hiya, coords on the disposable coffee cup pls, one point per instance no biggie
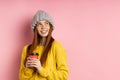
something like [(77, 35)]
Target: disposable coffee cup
[(33, 55)]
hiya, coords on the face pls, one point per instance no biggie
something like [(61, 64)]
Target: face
[(43, 28)]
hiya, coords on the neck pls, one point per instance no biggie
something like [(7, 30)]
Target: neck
[(43, 41)]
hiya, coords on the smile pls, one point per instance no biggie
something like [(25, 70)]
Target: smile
[(44, 31)]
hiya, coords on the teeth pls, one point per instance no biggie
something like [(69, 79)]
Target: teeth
[(44, 31)]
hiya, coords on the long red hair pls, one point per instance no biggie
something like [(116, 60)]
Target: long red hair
[(36, 40)]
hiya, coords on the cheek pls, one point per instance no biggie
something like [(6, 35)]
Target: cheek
[(48, 27), (38, 28)]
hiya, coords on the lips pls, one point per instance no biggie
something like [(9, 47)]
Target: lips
[(43, 31)]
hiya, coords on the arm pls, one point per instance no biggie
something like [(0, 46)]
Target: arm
[(24, 73), (61, 71)]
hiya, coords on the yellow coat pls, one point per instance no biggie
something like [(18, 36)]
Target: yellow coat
[(56, 67)]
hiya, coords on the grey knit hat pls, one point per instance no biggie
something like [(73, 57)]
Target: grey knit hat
[(41, 15)]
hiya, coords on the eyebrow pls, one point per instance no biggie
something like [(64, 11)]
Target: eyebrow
[(46, 21)]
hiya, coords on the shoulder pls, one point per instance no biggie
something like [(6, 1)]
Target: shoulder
[(58, 49), (25, 46), (24, 49), (57, 44)]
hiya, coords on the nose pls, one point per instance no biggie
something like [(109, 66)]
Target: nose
[(43, 26)]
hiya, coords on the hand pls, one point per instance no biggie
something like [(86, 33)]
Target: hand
[(33, 62)]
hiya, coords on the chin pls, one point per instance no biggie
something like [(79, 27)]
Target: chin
[(44, 35)]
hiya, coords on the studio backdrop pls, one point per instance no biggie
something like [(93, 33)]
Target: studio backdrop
[(88, 29)]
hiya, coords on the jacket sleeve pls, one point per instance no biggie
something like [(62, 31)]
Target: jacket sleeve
[(24, 73), (61, 72)]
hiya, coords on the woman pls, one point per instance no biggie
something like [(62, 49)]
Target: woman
[(51, 62)]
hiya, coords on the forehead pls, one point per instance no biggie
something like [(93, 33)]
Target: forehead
[(42, 21)]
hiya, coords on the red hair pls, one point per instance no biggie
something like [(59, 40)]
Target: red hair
[(36, 40)]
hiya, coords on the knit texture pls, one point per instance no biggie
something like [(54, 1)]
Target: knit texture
[(56, 67), (41, 15)]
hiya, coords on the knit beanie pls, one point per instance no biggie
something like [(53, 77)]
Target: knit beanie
[(41, 15)]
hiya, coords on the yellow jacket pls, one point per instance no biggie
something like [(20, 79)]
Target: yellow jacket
[(56, 67)]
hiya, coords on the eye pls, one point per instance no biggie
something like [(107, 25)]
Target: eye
[(39, 24), (47, 23)]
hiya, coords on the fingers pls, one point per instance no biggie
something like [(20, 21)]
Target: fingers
[(28, 63), (33, 62)]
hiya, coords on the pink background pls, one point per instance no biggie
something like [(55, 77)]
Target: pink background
[(88, 29)]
